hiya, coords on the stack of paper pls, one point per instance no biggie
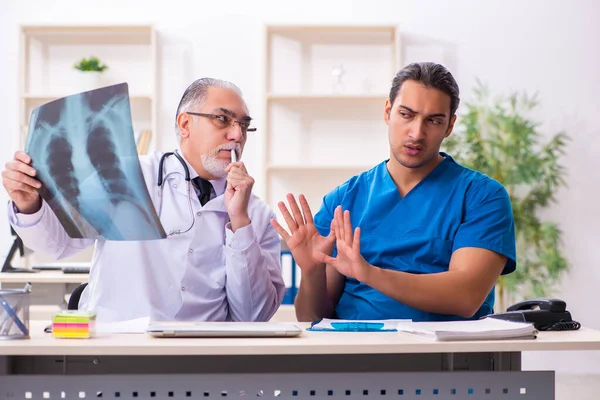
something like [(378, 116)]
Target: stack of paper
[(389, 325), (483, 329)]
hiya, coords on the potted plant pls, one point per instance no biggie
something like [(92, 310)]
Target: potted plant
[(90, 71), (497, 137)]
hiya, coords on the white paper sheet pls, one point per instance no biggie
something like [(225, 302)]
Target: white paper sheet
[(138, 325)]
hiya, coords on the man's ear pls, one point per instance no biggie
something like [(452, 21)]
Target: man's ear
[(184, 122), (450, 126), (387, 109)]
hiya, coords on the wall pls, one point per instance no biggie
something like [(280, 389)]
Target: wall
[(544, 46)]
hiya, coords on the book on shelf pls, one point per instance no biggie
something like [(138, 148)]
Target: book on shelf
[(143, 142)]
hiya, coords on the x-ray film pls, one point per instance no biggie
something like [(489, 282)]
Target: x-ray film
[(83, 149)]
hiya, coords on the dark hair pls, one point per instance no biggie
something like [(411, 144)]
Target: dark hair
[(431, 75)]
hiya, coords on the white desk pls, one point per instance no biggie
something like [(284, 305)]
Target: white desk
[(314, 365), (49, 288)]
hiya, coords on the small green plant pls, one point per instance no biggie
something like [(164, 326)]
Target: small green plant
[(497, 137), (91, 64)]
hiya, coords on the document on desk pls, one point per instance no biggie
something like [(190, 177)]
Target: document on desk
[(138, 325), (83, 149), (483, 329), (343, 325)]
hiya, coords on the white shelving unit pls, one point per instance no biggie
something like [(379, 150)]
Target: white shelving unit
[(47, 58), (48, 54), (319, 132)]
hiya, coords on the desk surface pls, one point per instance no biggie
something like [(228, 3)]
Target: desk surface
[(308, 343), (42, 277)]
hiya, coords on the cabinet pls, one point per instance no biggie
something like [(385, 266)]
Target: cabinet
[(326, 88), (48, 55), (47, 58)]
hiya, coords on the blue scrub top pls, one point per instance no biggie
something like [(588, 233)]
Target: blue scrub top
[(450, 208)]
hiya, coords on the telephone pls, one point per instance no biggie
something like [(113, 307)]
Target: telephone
[(546, 314)]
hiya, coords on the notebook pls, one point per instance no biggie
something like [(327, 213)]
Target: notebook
[(222, 329), (483, 329)]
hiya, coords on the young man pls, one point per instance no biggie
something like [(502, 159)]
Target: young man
[(418, 236), (225, 266)]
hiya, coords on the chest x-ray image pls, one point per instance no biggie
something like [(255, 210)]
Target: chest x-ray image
[(83, 149)]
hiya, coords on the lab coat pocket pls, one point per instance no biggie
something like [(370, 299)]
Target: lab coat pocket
[(218, 270)]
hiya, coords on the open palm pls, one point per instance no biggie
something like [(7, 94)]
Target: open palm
[(348, 261), (303, 240)]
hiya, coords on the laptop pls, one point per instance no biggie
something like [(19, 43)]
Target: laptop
[(222, 329)]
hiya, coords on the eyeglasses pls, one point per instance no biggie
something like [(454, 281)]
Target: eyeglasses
[(223, 121)]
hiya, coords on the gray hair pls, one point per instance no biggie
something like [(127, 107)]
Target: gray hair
[(195, 94)]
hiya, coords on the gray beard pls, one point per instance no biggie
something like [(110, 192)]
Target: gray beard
[(214, 166)]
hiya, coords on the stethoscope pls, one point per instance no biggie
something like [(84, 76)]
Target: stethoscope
[(161, 179)]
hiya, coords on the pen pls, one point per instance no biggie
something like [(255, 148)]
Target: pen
[(233, 156)]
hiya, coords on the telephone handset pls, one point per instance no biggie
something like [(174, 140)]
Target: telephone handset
[(553, 305), (546, 314)]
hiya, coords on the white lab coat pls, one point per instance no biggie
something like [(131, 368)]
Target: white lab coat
[(206, 274)]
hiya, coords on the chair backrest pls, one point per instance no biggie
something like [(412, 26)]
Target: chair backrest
[(75, 296)]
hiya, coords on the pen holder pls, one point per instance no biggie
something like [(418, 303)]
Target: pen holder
[(14, 314)]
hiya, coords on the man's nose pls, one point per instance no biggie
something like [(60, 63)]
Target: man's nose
[(235, 132), (417, 129)]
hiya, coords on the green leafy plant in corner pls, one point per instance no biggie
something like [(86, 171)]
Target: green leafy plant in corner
[(497, 137), (92, 64)]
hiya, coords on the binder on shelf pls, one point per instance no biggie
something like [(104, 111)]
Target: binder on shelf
[(143, 142), (288, 271)]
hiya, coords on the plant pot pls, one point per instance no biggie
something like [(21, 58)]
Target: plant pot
[(88, 80)]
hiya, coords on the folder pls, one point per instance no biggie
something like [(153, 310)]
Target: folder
[(287, 272), (344, 325)]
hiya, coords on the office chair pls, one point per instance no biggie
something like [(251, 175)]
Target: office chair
[(75, 296)]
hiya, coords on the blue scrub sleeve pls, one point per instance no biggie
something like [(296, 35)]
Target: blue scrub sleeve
[(488, 223)]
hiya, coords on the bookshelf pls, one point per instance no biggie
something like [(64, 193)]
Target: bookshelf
[(47, 56), (48, 53), (321, 129)]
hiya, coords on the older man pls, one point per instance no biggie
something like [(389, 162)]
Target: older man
[(222, 260)]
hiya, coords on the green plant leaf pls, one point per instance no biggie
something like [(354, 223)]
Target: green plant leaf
[(496, 136), (90, 64)]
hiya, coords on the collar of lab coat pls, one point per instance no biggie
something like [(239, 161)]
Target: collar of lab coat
[(216, 204)]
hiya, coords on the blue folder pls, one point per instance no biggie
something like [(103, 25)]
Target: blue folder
[(327, 325)]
